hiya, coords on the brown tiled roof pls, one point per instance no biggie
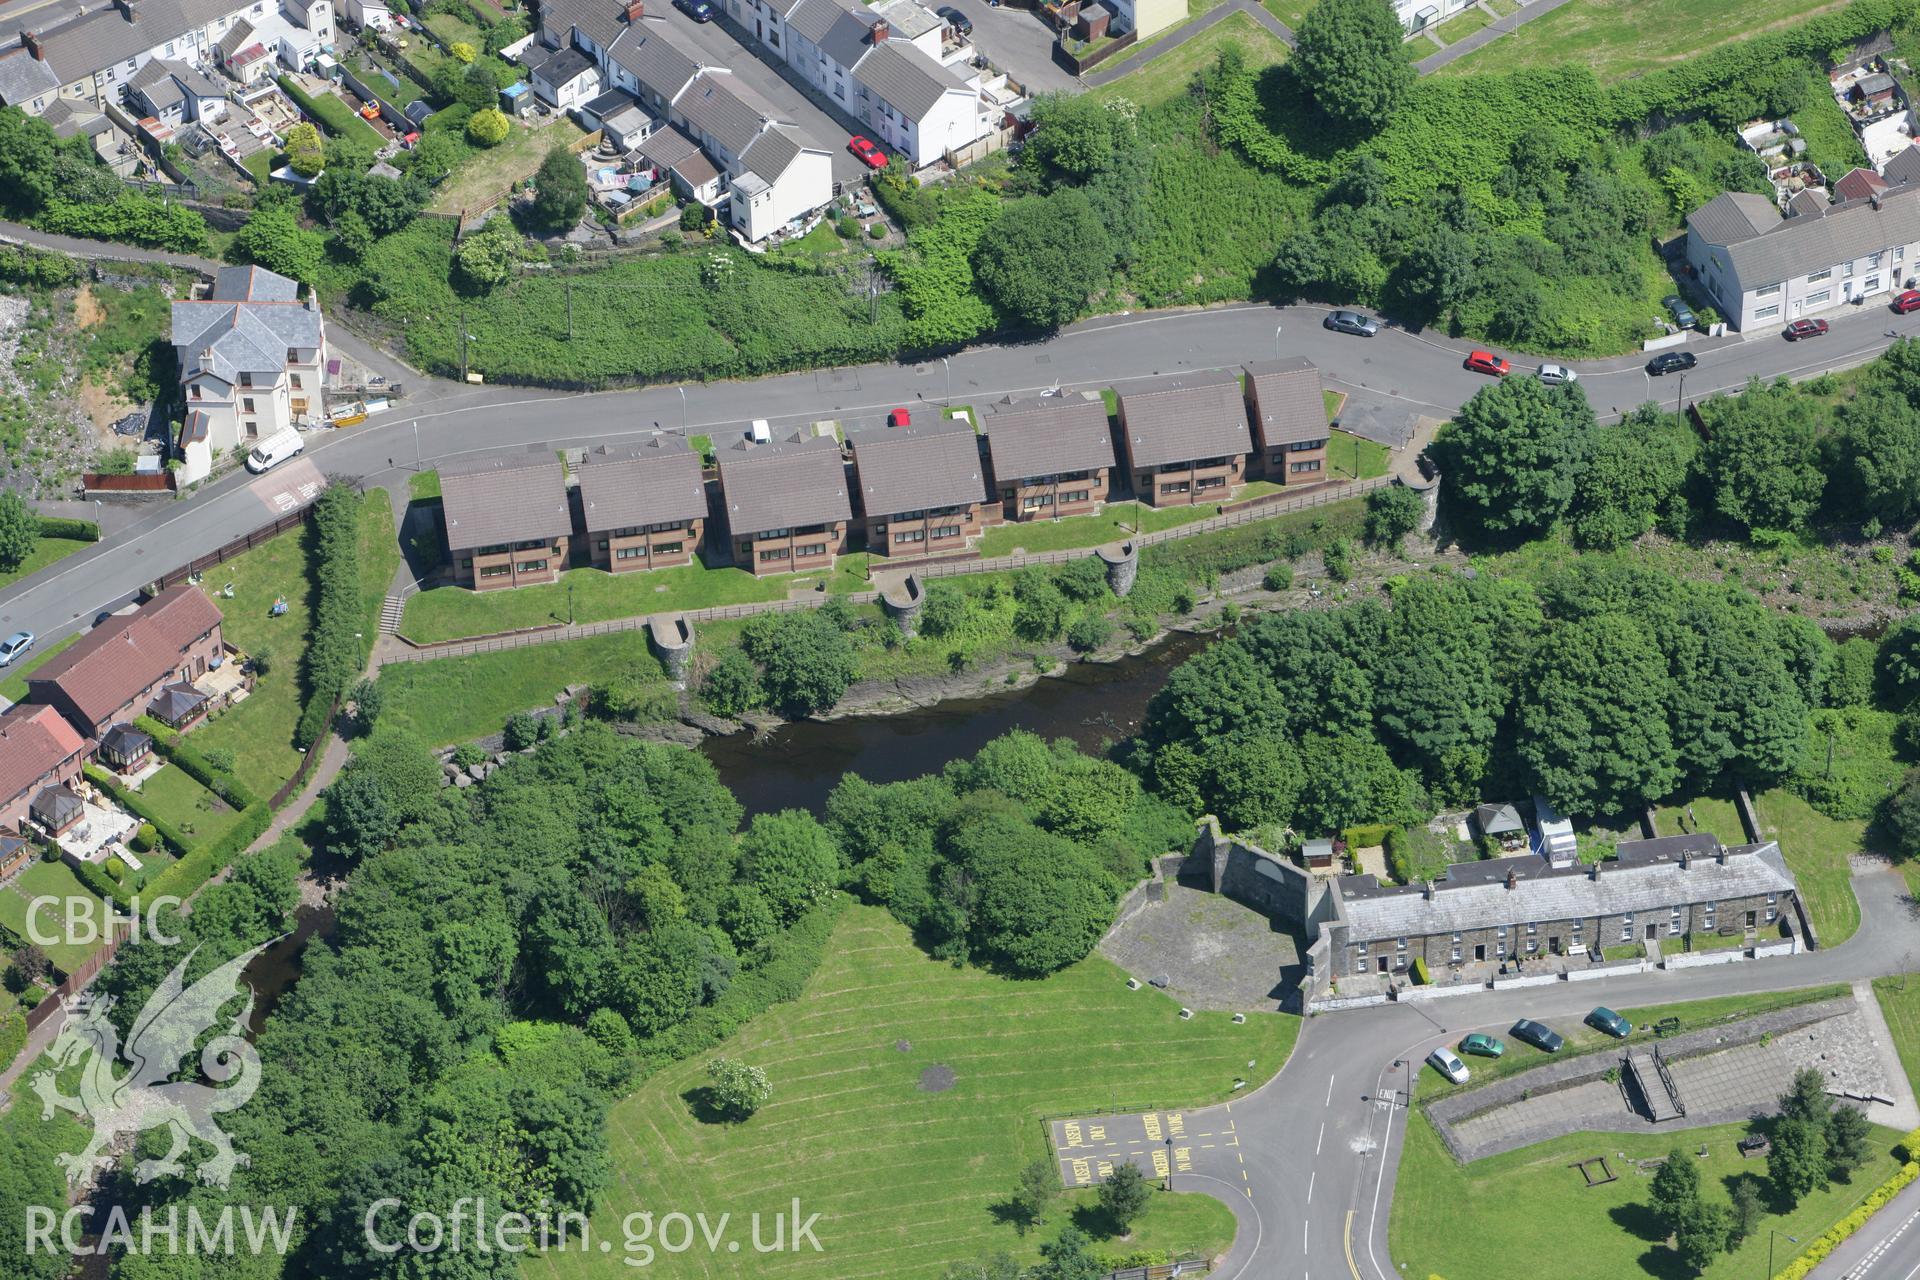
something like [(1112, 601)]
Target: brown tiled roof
[(914, 468), (501, 498), (652, 483), (111, 663), (1184, 417), (1048, 435), (33, 742), (782, 486), (1287, 405)]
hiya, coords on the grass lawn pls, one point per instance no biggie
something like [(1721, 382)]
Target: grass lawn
[(1899, 999), (1462, 25), (423, 486), (447, 613), (1622, 38), (906, 1181), (1116, 521), (260, 165), (1351, 458), (1497, 1218), (260, 730), (1816, 848), (49, 880), (491, 173), (14, 687), (821, 242), (190, 807), (459, 699), (1168, 75), (1291, 12), (45, 551)]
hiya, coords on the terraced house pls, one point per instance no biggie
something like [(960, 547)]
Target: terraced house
[(1289, 416), (135, 664), (643, 507), (1049, 455), (922, 489), (1185, 437), (785, 504), (507, 519)]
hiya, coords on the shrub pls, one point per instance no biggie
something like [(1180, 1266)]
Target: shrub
[(1419, 971), (1837, 1234), (468, 754), (737, 1089), (878, 231), (64, 527), (116, 868), (1279, 577), (488, 127), (143, 838), (1089, 633), (522, 731)]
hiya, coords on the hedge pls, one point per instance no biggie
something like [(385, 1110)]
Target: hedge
[(1365, 835), (335, 657), (1834, 1236), (1419, 971), (184, 878), (330, 114), (1398, 865), (13, 1036), (179, 751), (73, 530), (98, 882)]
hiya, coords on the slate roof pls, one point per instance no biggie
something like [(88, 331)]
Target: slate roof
[(907, 78), (729, 114), (503, 498), (1287, 405), (56, 807), (176, 703), (1048, 435), (769, 154), (92, 40), (1733, 215), (659, 65), (815, 18), (782, 486), (651, 483), (907, 18), (916, 468), (1902, 166), (69, 116), (1474, 895), (1787, 247), (24, 77), (1184, 417), (33, 742), (1808, 203), (600, 21), (236, 38), (106, 667), (248, 325), (672, 148)]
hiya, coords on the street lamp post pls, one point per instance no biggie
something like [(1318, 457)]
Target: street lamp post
[(1169, 1162), (1276, 342), (1681, 395), (1771, 1233), (948, 366), (683, 411)]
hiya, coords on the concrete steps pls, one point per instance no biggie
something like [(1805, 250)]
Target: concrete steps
[(390, 613)]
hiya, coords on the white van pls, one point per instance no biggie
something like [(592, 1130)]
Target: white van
[(761, 432), (274, 450)]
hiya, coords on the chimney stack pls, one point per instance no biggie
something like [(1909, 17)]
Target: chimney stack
[(636, 10), (1594, 871), (31, 39), (880, 30), (1874, 198), (1428, 890), (128, 9), (1513, 881)]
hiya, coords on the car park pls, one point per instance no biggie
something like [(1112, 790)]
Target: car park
[(1482, 1045), (1805, 329), (1448, 1064), (1605, 1019), (955, 19), (15, 645), (1487, 362), (1537, 1034), (1682, 313), (870, 154), (1672, 362), (1906, 301), (1557, 375), (1351, 322)]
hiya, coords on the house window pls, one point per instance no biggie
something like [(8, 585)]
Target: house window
[(1846, 268), (1673, 922), (1816, 276), (1401, 945), (775, 553), (1532, 928), (1626, 929), (493, 570), (911, 535), (667, 549), (811, 549), (1296, 468), (1212, 482), (533, 566), (1034, 500), (1078, 495), (1360, 961), (1873, 259), (246, 404), (1900, 253), (628, 553), (1766, 291), (1767, 313), (1819, 298), (296, 380), (1872, 283), (1180, 487), (947, 531)]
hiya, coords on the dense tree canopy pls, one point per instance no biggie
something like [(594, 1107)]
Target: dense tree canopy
[(1351, 53), (560, 191), (1512, 455), (1043, 258), (1760, 457)]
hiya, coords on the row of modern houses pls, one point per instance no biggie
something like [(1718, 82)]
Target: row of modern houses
[(901, 489)]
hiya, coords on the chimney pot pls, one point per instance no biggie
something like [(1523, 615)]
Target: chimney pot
[(1513, 881), (31, 39), (636, 10), (880, 30)]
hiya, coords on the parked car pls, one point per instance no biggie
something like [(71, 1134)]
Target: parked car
[(698, 10), (870, 154), (15, 645), (274, 450), (899, 418), (954, 18), (1448, 1064), (1805, 329), (1605, 1019), (1482, 1045), (1487, 362), (1537, 1034), (1682, 313), (1672, 362), (1907, 301), (1352, 322), (1557, 375)]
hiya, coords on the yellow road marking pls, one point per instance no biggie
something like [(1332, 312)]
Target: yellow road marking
[(1351, 1264)]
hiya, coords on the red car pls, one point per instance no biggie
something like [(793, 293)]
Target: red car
[(870, 154), (1908, 301), (1805, 329), (899, 418), (1487, 362)]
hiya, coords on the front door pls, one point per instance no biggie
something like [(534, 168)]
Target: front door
[(1383, 964), (1553, 943), (1480, 951), (1750, 919), (1653, 931)]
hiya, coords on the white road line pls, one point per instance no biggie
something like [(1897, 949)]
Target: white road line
[(1310, 1177), (1303, 1236), (1329, 1101), (1322, 1138)]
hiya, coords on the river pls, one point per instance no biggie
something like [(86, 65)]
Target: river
[(796, 765)]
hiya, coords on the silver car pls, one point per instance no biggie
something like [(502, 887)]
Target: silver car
[(13, 646), (1557, 375), (1448, 1064), (1352, 322)]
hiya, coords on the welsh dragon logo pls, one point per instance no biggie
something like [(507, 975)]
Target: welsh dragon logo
[(170, 1023)]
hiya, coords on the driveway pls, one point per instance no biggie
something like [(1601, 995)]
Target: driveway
[(713, 45), (1019, 43)]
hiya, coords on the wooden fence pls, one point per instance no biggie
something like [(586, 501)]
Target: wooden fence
[(157, 482), (76, 981), (245, 542), (315, 749)]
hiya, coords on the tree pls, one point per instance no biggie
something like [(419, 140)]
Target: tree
[(1806, 1098), (1124, 1195), (1069, 1257), (27, 151), (791, 859), (1088, 633), (1592, 721), (1703, 1235), (1676, 1190), (352, 238), (656, 980), (28, 966), (1635, 478), (367, 700), (1847, 1135), (306, 150), (1901, 815), (1043, 258), (806, 661), (1512, 456), (1075, 135), (1760, 458), (1041, 900), (560, 191), (461, 51), (1034, 1192), (1040, 610), (485, 258), (1392, 514), (1436, 693), (1350, 55), (361, 819), (1747, 1210), (273, 238), (737, 1089), (19, 529), (568, 948), (1797, 1164), (488, 127), (733, 686), (1899, 662)]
